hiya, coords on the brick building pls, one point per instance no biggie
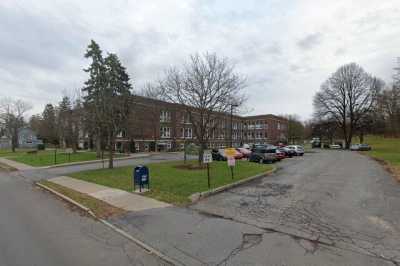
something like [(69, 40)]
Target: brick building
[(159, 125)]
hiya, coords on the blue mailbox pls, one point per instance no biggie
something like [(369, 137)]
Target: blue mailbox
[(141, 177)]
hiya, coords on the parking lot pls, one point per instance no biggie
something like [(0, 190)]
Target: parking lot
[(328, 198)]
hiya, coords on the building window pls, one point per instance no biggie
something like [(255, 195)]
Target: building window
[(187, 133), (165, 132), (165, 116), (185, 118), (279, 126)]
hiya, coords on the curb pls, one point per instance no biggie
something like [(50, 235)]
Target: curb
[(111, 226), (201, 195), (77, 204)]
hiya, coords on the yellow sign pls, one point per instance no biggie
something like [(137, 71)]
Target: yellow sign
[(230, 152)]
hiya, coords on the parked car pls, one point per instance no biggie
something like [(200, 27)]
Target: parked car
[(246, 152), (288, 152), (298, 150), (360, 147), (335, 146), (315, 143), (218, 155), (280, 154), (263, 154)]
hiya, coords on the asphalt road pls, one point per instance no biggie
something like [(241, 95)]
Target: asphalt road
[(36, 229), (327, 208)]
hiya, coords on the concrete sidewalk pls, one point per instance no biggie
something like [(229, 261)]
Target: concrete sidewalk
[(116, 197), (16, 165)]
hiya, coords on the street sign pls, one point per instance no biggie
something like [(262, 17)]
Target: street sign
[(230, 152), (207, 157), (68, 150), (231, 161)]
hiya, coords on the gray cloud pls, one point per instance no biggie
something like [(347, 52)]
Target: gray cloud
[(310, 41), (340, 51), (42, 44)]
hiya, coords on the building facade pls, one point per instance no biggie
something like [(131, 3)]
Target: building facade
[(162, 126)]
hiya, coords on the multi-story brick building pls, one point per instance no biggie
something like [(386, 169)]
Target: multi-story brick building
[(160, 125)]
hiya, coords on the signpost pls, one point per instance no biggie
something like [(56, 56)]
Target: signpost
[(207, 159), (230, 154), (231, 164)]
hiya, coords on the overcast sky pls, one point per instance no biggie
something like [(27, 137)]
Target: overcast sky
[(285, 48)]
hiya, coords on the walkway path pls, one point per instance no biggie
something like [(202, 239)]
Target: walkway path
[(116, 197), (16, 165)]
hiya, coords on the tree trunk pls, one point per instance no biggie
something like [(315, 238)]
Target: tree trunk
[(201, 152), (14, 139), (98, 146), (361, 137), (111, 152)]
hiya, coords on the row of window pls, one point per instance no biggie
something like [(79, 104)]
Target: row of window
[(187, 133), (165, 116), (165, 132)]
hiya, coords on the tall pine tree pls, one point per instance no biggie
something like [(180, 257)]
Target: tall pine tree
[(107, 95)]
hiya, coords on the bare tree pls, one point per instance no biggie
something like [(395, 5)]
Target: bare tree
[(12, 118), (295, 129), (389, 107), (207, 87), (347, 97)]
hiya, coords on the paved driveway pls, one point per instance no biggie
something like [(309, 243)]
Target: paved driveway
[(325, 201)]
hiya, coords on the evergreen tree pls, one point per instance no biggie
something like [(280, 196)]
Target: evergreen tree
[(64, 121), (107, 95), (49, 126), (92, 91)]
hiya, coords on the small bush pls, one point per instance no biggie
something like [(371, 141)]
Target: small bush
[(41, 147)]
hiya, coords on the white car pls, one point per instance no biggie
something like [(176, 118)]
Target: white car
[(298, 150), (335, 146)]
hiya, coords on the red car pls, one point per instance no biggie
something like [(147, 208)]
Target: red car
[(246, 152), (280, 155)]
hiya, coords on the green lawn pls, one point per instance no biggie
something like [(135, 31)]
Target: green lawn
[(171, 184), (46, 158), (387, 149), (8, 152)]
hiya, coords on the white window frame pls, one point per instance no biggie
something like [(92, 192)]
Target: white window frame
[(165, 132), (165, 116)]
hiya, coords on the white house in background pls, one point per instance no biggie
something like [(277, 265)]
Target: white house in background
[(27, 138)]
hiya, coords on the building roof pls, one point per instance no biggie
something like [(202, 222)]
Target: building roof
[(177, 105)]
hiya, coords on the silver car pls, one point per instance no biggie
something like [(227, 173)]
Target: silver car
[(298, 150)]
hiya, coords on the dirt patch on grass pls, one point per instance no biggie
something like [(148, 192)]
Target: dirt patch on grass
[(7, 168), (100, 208), (394, 170), (190, 166)]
